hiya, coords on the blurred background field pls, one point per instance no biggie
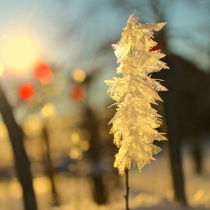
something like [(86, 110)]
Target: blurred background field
[(54, 58)]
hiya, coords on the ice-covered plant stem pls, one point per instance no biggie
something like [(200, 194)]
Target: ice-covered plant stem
[(135, 123)]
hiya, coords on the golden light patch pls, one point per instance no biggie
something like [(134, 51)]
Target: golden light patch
[(19, 52)]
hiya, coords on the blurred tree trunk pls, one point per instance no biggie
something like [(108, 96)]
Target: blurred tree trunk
[(49, 167), (174, 113), (197, 155), (176, 165), (22, 163), (172, 108), (94, 153)]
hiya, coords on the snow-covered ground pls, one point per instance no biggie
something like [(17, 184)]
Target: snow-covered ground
[(149, 190)]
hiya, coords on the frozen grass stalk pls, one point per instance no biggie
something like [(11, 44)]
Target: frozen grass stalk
[(126, 189), (135, 122)]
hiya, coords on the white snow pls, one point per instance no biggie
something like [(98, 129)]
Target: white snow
[(149, 190)]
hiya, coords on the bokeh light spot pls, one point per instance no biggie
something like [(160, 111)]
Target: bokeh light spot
[(75, 153), (77, 93), (43, 73), (26, 91), (48, 110), (32, 125), (41, 185), (78, 75)]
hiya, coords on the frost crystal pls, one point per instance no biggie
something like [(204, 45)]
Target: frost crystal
[(135, 122)]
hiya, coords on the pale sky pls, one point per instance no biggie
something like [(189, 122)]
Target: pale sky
[(70, 31), (47, 20)]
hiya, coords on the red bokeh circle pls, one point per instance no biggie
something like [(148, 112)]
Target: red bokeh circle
[(26, 91), (43, 73), (77, 93)]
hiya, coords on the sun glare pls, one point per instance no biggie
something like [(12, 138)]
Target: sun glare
[(19, 52)]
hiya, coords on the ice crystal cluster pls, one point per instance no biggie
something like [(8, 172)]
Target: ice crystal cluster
[(135, 123)]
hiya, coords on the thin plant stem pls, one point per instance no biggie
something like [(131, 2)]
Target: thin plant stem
[(126, 196)]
